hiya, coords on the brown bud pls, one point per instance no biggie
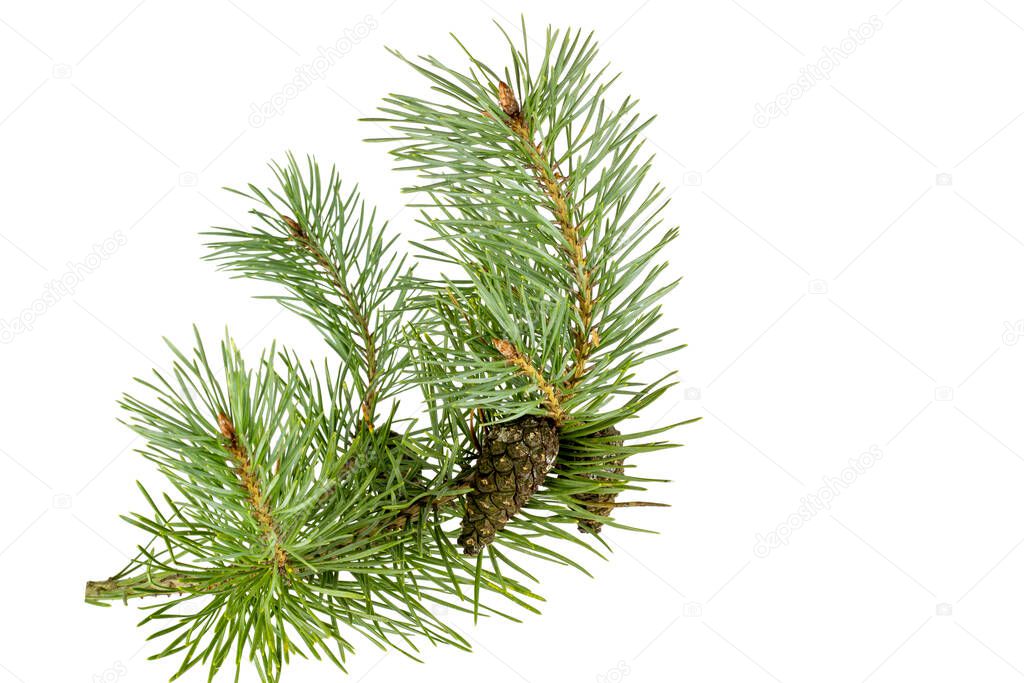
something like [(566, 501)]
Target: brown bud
[(505, 348), (226, 428), (293, 225), (507, 100)]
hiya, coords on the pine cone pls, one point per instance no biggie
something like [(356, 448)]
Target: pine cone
[(600, 503), (514, 459)]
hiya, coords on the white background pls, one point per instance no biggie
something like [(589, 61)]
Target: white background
[(839, 294)]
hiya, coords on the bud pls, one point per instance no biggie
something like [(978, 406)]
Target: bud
[(507, 100), (505, 348), (226, 428), (297, 231)]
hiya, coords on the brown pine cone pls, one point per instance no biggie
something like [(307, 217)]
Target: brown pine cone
[(600, 503), (514, 459)]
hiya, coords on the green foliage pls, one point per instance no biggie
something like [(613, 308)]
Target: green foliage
[(513, 197), (302, 509), (338, 268)]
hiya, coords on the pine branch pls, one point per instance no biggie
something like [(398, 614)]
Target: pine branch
[(341, 271), (303, 506), (263, 518), (176, 583), (547, 186), (361, 317)]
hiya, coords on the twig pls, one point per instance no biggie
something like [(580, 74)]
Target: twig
[(169, 583), (260, 509), (585, 335), (302, 238)]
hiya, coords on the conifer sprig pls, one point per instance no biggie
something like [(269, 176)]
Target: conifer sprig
[(325, 247), (288, 541), (539, 193), (308, 503)]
